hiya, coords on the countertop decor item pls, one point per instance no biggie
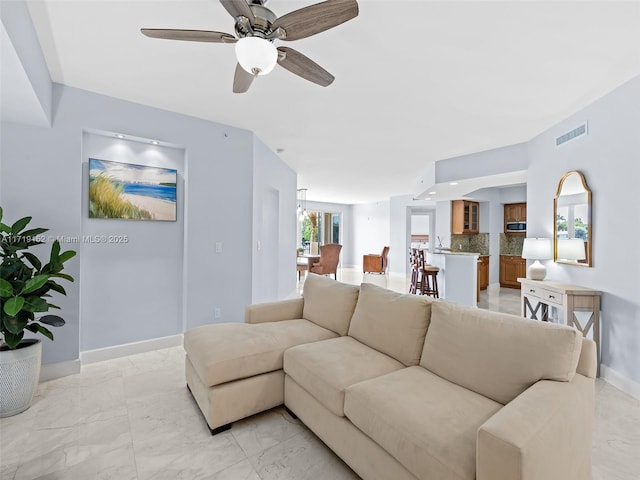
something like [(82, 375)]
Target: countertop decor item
[(537, 249), (25, 286)]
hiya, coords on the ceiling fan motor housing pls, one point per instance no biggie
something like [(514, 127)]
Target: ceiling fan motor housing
[(261, 27)]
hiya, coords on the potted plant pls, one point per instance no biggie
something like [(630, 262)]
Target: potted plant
[(25, 286)]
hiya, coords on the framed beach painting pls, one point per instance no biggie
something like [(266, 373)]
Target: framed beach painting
[(131, 192)]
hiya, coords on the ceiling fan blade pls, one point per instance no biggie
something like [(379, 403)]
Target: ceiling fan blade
[(238, 8), (241, 80), (316, 18), (304, 67), (189, 35)]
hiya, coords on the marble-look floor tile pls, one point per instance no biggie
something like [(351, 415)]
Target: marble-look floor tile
[(7, 470), (58, 449), (82, 404), (255, 434), (142, 386), (616, 452), (183, 455), (240, 471), (116, 465), (302, 457)]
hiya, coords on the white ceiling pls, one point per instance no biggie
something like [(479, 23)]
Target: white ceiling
[(416, 81)]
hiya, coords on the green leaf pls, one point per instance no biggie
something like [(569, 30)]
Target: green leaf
[(33, 232), (56, 288), (1, 213), (35, 304), (55, 252), (15, 325), (51, 305), (66, 256), (33, 260), (53, 320), (6, 289), (13, 306), (35, 283), (62, 275), (13, 339), (5, 228), (52, 267), (19, 225), (37, 328)]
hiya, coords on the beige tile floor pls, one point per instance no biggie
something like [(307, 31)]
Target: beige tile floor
[(133, 418)]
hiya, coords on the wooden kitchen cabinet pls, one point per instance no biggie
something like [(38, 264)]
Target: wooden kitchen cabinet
[(511, 268), (465, 216), (483, 275), (515, 212), (483, 272)]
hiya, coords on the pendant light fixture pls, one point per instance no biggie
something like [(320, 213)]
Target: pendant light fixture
[(302, 204)]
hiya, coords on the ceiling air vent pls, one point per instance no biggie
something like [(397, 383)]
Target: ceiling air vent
[(579, 131)]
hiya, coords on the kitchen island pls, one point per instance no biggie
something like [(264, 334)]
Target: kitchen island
[(458, 276)]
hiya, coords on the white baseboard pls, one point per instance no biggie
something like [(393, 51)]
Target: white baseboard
[(619, 381), (52, 371), (117, 351)]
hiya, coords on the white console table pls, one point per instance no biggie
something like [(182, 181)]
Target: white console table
[(538, 299)]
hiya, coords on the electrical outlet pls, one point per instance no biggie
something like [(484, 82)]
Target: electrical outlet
[(216, 312)]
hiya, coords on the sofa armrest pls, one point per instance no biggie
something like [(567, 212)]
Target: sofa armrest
[(544, 433), (274, 311)]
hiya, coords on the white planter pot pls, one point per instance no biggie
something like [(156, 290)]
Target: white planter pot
[(19, 375)]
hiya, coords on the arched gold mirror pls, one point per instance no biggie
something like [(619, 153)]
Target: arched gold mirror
[(572, 221)]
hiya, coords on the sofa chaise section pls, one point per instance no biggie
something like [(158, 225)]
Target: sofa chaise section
[(234, 370)]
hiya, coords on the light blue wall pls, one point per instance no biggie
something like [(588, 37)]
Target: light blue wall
[(274, 226), (42, 176), (608, 157), (140, 263)]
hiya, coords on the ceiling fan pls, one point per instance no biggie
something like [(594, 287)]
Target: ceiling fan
[(257, 27)]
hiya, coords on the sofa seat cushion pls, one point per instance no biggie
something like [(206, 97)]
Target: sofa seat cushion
[(425, 422), (391, 322), (223, 352), (495, 354), (326, 369), (329, 303)]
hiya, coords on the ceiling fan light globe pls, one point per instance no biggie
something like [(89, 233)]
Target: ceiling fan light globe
[(256, 55)]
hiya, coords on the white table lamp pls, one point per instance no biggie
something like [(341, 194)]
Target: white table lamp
[(571, 249), (537, 249)]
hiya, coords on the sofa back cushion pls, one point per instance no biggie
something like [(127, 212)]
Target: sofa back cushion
[(495, 354), (329, 303), (391, 322)]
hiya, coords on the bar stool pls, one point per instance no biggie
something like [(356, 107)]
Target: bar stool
[(413, 262), (429, 284), (427, 277)]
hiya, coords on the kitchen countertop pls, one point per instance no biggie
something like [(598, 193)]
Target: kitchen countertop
[(451, 252)]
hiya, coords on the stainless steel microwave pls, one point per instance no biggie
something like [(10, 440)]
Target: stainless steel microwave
[(516, 227)]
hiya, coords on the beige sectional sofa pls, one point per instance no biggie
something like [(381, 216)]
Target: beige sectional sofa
[(403, 387)]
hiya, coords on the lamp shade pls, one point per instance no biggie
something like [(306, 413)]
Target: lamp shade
[(571, 249), (256, 55), (537, 249)]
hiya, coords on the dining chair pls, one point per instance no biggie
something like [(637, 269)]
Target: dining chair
[(329, 259), (374, 263)]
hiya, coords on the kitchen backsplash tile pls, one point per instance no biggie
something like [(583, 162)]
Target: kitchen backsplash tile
[(511, 244), (478, 243)]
